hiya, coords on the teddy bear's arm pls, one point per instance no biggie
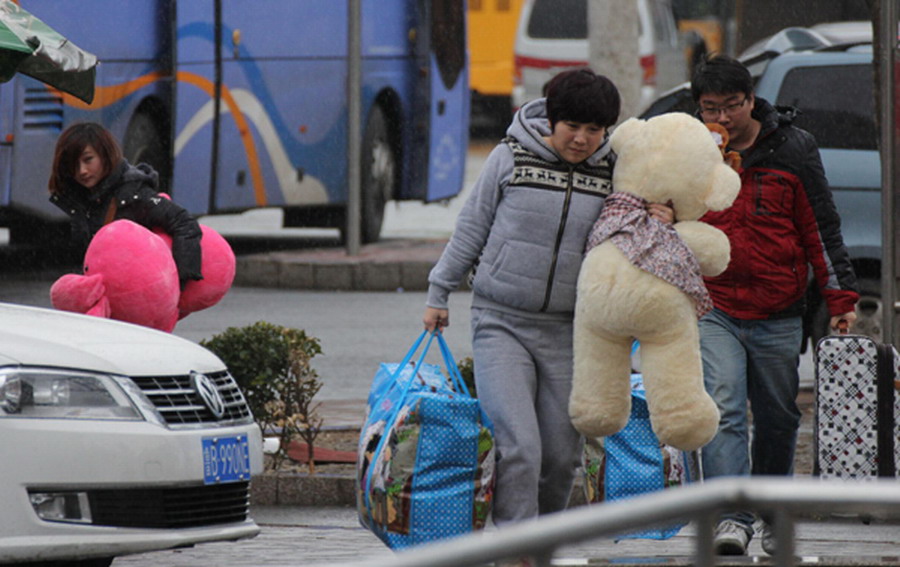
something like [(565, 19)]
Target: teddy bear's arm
[(709, 244)]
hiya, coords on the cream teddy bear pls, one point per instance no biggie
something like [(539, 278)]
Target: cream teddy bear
[(642, 279)]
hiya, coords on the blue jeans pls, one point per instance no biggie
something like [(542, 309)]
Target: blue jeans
[(755, 361)]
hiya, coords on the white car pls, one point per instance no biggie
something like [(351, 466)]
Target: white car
[(116, 439), (552, 36)]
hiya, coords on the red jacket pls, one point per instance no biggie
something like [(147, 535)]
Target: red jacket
[(783, 221)]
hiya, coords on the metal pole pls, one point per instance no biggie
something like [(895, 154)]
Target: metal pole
[(354, 113), (217, 107), (887, 35)]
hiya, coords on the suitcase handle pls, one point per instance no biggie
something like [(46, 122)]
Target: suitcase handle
[(843, 327)]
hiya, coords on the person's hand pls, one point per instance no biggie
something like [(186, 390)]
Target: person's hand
[(849, 317), (663, 213), (436, 319)]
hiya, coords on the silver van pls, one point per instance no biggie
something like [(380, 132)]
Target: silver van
[(553, 36)]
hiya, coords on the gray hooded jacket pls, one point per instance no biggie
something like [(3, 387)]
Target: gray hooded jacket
[(525, 224)]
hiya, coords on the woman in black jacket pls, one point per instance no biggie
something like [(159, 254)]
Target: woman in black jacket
[(94, 184)]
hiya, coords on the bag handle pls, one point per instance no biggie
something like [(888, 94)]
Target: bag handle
[(458, 383), (843, 327), (452, 369), (406, 359), (376, 454)]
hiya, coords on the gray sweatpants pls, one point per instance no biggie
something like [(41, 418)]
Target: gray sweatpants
[(523, 376)]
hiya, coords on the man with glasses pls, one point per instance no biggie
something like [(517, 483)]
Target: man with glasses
[(782, 224)]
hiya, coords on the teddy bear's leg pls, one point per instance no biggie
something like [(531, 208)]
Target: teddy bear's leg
[(683, 415), (600, 403)]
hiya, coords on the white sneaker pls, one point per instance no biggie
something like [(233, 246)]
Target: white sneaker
[(731, 538), (769, 544)]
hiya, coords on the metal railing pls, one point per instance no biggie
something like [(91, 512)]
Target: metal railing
[(782, 498)]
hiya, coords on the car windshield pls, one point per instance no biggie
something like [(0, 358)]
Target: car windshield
[(558, 19), (836, 104)]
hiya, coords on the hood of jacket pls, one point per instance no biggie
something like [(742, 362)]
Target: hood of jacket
[(127, 175), (531, 124), (771, 117)]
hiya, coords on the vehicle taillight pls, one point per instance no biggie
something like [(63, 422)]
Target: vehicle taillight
[(517, 70), (648, 64)]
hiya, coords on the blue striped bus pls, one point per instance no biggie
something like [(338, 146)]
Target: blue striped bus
[(242, 104)]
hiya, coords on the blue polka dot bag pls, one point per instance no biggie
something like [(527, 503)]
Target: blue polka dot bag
[(633, 462), (425, 460)]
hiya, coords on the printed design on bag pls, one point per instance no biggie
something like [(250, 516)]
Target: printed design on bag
[(846, 397), (592, 468), (674, 470), (484, 479), (393, 473)]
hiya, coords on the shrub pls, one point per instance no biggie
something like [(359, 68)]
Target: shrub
[(271, 364), (467, 371)]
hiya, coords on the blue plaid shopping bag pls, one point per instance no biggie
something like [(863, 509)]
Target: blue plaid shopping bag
[(634, 462), (425, 460)]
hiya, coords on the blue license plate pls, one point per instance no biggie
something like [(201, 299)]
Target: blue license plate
[(226, 459)]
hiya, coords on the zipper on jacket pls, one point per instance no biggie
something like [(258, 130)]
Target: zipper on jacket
[(559, 235)]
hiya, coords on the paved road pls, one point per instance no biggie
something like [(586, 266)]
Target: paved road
[(313, 537)]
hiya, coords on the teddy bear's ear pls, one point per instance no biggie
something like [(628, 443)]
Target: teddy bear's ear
[(724, 185), (625, 133)]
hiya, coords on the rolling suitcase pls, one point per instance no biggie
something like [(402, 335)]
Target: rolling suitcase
[(856, 409)]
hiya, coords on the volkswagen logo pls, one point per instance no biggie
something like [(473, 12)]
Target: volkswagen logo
[(208, 392)]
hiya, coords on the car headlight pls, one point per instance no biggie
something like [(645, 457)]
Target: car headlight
[(63, 394)]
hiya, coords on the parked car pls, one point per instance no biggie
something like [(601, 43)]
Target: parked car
[(116, 439), (831, 84), (552, 36)]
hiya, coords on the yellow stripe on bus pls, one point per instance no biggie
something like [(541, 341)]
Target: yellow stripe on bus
[(105, 96)]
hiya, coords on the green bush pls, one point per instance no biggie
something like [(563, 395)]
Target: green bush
[(271, 364), (467, 371)]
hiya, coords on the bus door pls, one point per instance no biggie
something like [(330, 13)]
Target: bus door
[(445, 87)]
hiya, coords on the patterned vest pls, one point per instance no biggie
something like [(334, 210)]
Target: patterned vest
[(534, 171)]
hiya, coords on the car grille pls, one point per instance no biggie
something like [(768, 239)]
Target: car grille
[(180, 404), (171, 507)]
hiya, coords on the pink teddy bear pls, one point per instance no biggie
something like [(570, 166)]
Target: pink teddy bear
[(129, 275)]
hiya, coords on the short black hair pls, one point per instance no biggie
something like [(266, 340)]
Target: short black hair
[(580, 95), (721, 75)]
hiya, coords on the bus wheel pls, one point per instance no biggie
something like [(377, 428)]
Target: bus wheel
[(378, 175), (144, 143)]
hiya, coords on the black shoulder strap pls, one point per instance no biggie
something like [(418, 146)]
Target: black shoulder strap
[(885, 410)]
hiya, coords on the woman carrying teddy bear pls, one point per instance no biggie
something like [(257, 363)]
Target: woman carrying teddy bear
[(93, 183), (524, 227)]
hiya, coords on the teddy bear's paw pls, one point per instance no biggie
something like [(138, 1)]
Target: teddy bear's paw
[(688, 430), (591, 424)]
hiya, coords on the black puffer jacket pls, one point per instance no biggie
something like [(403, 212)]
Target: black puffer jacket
[(783, 221), (136, 191)]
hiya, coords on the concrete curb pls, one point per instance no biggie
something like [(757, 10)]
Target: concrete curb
[(299, 489), (387, 265)]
